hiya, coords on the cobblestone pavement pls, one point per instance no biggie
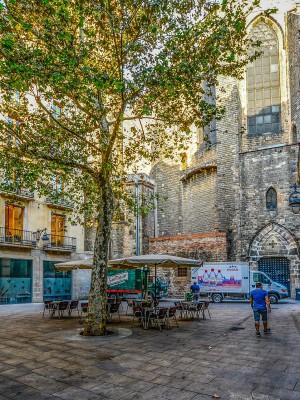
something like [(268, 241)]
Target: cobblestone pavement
[(42, 358)]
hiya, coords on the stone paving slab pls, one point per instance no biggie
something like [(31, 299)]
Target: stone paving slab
[(43, 358)]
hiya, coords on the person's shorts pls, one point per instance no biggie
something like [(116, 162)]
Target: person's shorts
[(262, 313)]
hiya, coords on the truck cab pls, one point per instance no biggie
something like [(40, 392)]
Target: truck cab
[(275, 290), (161, 286)]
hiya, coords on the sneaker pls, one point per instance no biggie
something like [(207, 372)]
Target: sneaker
[(257, 333), (267, 330)]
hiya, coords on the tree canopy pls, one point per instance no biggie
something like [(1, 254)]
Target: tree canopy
[(90, 87)]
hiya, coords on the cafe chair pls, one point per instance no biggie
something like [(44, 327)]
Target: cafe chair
[(206, 308), (47, 306), (180, 307), (60, 307), (84, 309), (171, 315), (113, 309), (129, 304), (159, 318), (73, 306), (137, 314)]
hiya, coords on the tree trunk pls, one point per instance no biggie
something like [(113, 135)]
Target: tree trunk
[(95, 324)]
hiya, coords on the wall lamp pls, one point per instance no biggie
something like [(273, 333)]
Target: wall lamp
[(294, 199), (42, 234)]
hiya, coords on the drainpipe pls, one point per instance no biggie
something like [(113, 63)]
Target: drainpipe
[(137, 199)]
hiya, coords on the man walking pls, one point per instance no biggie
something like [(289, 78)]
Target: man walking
[(260, 303), (195, 289)]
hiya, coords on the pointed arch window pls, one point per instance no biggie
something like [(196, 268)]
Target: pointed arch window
[(271, 199), (263, 83)]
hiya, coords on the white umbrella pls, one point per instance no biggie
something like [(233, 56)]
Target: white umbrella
[(150, 260), (78, 264)]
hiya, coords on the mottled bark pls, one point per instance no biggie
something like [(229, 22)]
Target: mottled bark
[(95, 324)]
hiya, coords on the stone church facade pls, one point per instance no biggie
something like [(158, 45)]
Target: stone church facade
[(232, 202)]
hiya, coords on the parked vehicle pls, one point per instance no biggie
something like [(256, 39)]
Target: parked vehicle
[(234, 280), (134, 283)]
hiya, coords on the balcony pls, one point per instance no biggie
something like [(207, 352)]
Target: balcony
[(60, 243), (59, 201), (17, 238), (16, 193)]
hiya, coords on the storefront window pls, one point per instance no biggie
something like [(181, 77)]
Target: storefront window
[(15, 281), (57, 285)]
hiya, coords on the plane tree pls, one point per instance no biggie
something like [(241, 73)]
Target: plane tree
[(90, 87)]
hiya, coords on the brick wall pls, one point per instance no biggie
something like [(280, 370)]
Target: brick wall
[(206, 247)]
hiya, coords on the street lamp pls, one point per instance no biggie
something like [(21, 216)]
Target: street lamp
[(294, 199)]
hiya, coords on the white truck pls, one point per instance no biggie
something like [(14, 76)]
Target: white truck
[(234, 280)]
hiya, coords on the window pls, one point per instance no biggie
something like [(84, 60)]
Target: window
[(257, 277), (56, 110), (182, 272), (184, 161), (263, 83), (15, 280), (57, 285), (57, 183), (14, 216), (208, 136), (14, 131), (271, 199)]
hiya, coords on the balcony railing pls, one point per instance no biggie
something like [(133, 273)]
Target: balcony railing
[(16, 192), (17, 237), (58, 242), (59, 201)]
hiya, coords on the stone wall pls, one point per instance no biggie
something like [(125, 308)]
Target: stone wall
[(293, 27)]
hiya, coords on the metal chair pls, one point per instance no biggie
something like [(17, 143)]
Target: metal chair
[(113, 309), (84, 309), (73, 306), (205, 308), (171, 315), (60, 308), (159, 318), (137, 314), (47, 306), (129, 304), (180, 307)]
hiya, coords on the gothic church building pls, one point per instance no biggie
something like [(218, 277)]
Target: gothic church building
[(237, 199)]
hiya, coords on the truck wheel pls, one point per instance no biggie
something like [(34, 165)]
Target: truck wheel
[(217, 298), (273, 298)]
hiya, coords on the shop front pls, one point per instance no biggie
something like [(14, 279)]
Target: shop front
[(15, 281)]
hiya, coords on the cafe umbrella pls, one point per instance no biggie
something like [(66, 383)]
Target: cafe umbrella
[(154, 260), (147, 260)]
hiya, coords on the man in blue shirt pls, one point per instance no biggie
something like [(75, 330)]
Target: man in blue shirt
[(260, 303), (195, 289)]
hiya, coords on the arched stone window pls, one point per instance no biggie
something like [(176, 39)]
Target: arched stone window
[(263, 83), (271, 199)]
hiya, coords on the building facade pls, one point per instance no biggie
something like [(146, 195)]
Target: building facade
[(241, 172), (35, 233)]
